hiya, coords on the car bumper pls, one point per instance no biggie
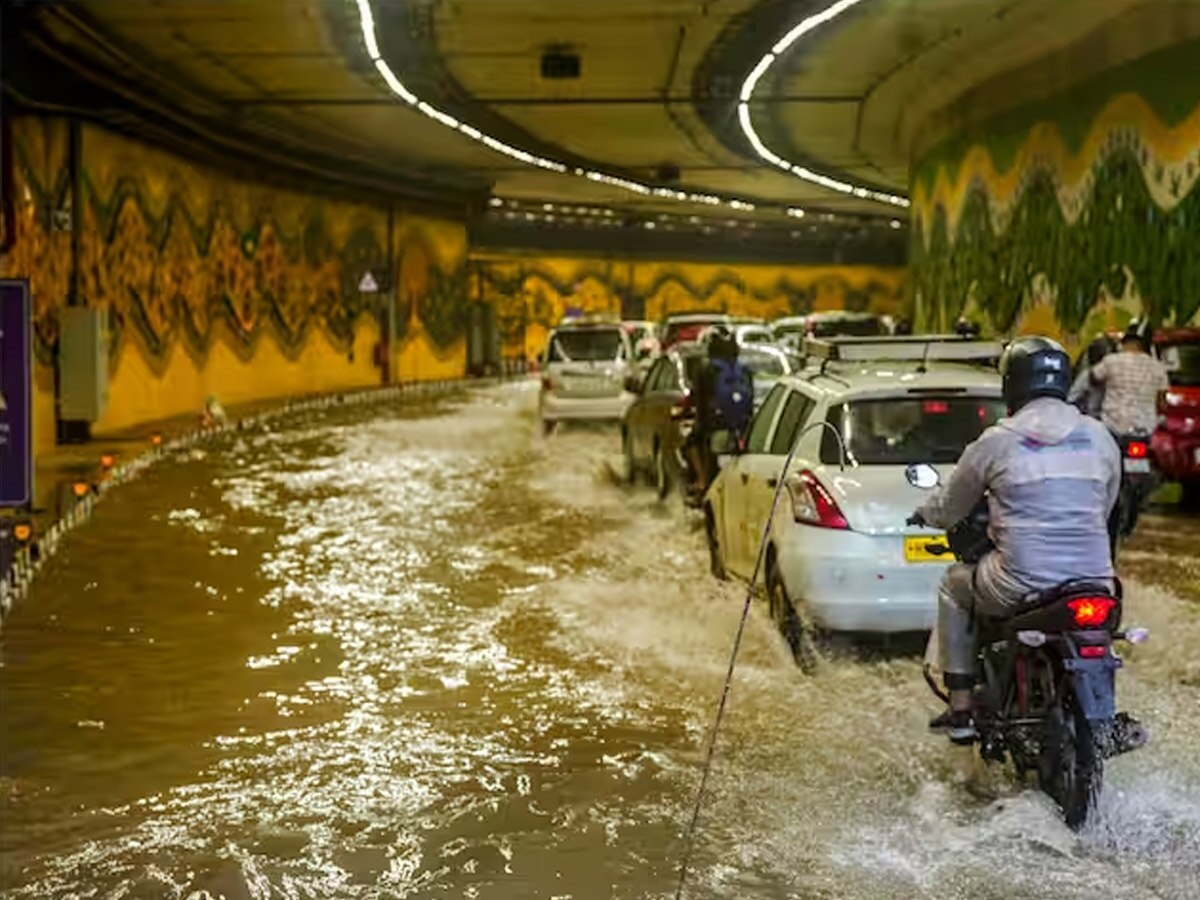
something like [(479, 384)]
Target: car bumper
[(850, 581), (1177, 455), (556, 409)]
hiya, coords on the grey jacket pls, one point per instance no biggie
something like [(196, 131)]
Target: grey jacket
[(1051, 476)]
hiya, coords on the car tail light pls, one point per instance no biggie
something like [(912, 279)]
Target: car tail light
[(1091, 611), (1137, 449), (812, 504), (1094, 651)]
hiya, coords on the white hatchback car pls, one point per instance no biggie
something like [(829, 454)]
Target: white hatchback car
[(839, 557), (585, 369)]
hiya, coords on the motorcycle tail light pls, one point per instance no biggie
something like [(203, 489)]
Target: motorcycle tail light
[(683, 408), (1093, 651), (812, 504), (1091, 611), (1137, 450)]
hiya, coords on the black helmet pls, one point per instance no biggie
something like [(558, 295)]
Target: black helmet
[(721, 342), (964, 327), (1034, 367)]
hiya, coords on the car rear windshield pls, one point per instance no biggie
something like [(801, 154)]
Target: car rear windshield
[(756, 336), (767, 364), (908, 429), (1183, 364), (868, 327), (688, 330), (585, 344)]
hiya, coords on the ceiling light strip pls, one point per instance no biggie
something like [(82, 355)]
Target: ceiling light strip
[(746, 95), (366, 17)]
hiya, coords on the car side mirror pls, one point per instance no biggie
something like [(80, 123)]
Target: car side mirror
[(923, 476)]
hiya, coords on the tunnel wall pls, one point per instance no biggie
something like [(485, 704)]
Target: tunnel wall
[(1070, 215), (219, 284), (532, 293)]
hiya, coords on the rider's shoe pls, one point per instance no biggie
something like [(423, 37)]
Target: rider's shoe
[(961, 728), (957, 724)]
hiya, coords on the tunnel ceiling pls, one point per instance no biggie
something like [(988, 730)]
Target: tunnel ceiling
[(656, 100)]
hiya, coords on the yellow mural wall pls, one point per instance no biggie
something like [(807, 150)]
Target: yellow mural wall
[(216, 285), (532, 293)]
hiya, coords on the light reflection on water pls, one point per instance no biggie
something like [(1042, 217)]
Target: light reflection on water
[(429, 654)]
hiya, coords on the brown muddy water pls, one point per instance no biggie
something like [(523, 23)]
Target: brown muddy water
[(421, 651)]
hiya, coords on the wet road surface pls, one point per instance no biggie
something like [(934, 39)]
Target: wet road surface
[(422, 652)]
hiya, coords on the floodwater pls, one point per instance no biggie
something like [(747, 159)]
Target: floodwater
[(420, 651)]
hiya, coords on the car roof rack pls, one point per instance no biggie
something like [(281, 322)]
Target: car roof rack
[(919, 348), (593, 318)]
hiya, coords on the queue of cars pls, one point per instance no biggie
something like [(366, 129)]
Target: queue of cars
[(860, 408)]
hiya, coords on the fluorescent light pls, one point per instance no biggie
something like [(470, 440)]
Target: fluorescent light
[(366, 18), (747, 92)]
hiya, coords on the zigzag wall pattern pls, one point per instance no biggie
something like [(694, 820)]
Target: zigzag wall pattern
[(532, 294), (173, 250), (1066, 235)]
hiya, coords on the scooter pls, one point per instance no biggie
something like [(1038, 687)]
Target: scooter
[(1138, 480)]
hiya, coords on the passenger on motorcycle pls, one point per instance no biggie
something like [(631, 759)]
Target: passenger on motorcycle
[(1132, 380), (1050, 476), (724, 403), (1085, 393)]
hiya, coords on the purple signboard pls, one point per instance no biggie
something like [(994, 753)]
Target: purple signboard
[(16, 394)]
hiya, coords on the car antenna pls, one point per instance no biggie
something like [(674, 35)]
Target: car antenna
[(924, 366)]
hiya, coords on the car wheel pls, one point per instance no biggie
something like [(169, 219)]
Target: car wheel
[(629, 474), (716, 561), (662, 474), (797, 629)]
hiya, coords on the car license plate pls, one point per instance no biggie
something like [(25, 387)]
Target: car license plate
[(1137, 466), (916, 548)]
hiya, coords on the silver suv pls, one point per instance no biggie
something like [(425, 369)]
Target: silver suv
[(585, 369)]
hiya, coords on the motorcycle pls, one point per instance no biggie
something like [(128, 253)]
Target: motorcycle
[(1138, 481), (1045, 692)]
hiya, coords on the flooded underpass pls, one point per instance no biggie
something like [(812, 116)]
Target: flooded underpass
[(420, 651)]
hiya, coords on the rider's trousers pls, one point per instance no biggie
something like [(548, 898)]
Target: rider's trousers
[(966, 592)]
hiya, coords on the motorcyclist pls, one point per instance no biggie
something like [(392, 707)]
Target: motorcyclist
[(1085, 393), (724, 395), (1051, 476), (1132, 380)]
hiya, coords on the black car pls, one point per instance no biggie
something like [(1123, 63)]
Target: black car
[(657, 423)]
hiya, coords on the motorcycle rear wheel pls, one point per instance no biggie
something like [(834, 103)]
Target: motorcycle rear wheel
[(1071, 767)]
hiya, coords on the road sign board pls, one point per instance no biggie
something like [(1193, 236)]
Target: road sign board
[(16, 394), (367, 284)]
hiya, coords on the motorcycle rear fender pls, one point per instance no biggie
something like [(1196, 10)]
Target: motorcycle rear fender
[(1094, 683)]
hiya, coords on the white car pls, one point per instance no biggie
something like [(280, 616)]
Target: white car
[(839, 557), (585, 372), (753, 335)]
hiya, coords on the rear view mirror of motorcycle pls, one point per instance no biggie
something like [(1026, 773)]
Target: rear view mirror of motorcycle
[(923, 476)]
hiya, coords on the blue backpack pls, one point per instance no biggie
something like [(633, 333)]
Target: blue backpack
[(733, 395)]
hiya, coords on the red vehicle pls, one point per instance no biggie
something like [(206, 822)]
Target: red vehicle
[(1176, 441)]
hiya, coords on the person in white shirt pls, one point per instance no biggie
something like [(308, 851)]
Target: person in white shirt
[(1132, 380)]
